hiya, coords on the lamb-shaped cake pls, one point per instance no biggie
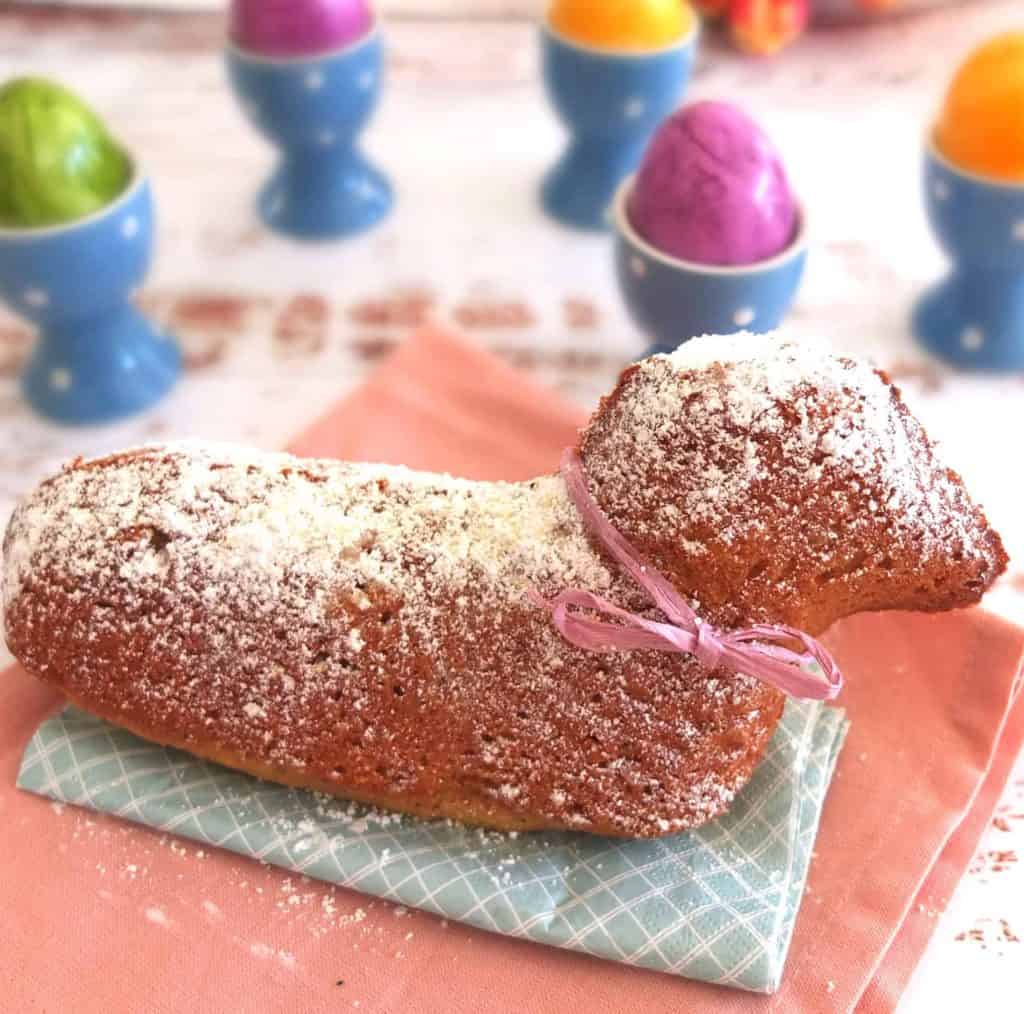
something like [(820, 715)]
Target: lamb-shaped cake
[(378, 634)]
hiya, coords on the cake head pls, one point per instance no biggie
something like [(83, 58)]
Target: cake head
[(778, 482)]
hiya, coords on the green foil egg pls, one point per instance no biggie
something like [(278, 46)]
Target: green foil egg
[(58, 163)]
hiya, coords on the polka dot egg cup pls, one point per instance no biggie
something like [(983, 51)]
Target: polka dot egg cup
[(611, 102), (96, 358), (975, 317), (313, 109), (673, 300)]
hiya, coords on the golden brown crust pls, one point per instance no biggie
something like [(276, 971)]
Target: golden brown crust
[(364, 631), (449, 803)]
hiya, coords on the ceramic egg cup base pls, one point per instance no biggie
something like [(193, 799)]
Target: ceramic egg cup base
[(325, 196), (974, 318), (313, 110), (611, 103), (974, 322), (100, 369), (96, 357), (579, 189)]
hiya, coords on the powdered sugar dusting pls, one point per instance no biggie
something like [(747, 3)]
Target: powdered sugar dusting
[(742, 347), (247, 519), (766, 388), (157, 916)]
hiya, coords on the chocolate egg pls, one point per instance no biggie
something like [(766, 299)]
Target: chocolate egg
[(283, 28), (712, 189), (58, 163)]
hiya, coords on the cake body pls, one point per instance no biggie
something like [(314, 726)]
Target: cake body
[(365, 630)]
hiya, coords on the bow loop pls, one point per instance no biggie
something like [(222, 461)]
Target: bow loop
[(762, 651)]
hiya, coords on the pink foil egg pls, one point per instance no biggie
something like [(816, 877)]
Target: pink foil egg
[(712, 189), (284, 28)]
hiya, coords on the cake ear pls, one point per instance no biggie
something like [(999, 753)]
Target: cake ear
[(777, 482)]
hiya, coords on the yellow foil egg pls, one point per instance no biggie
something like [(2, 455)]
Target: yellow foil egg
[(981, 127), (622, 24)]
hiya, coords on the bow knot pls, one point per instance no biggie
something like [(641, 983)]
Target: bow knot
[(708, 651), (763, 651)]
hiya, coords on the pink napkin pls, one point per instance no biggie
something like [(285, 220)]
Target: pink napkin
[(100, 915)]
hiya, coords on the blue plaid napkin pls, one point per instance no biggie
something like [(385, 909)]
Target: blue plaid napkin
[(717, 904)]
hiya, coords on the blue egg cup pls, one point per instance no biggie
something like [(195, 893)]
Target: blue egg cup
[(611, 102), (974, 318), (313, 109), (97, 358), (673, 300)]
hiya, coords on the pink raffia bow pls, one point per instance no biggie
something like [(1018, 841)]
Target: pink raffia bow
[(759, 651)]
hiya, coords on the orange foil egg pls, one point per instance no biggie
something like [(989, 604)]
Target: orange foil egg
[(981, 127), (622, 24)]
